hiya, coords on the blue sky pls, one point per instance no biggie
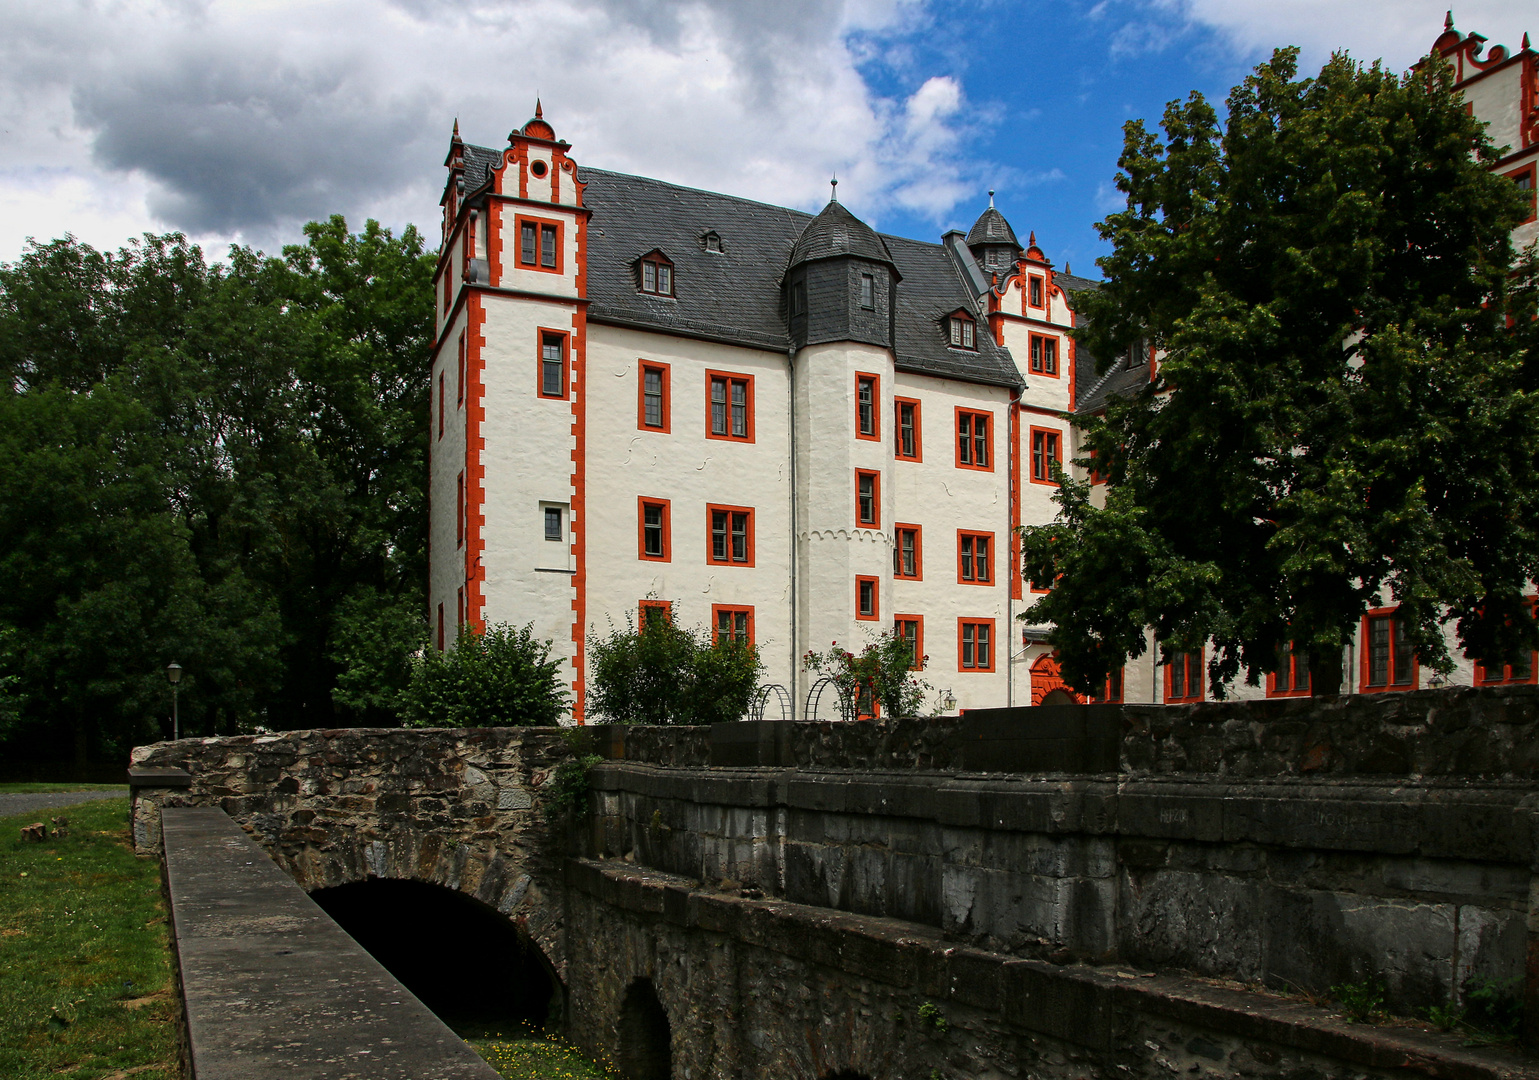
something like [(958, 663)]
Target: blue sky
[(236, 121)]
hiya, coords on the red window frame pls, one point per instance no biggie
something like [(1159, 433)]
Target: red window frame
[(666, 372), (1193, 668), (1038, 352), (1036, 291), (1507, 678), (729, 377), (1531, 170), (967, 541), (959, 328), (898, 405), (871, 586), (448, 284), (875, 521), (666, 505), (711, 510), (540, 224), (659, 262), (731, 611), (459, 379), (993, 644), (1111, 690), (1295, 666), (459, 510), (440, 628), (542, 337), (898, 529), (662, 607), (441, 406), (917, 621), (875, 406), (1057, 455), (1393, 683), (972, 438)]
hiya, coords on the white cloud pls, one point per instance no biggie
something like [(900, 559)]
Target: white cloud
[(1399, 31), (240, 119)]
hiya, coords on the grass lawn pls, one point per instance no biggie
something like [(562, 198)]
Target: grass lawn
[(84, 964), (528, 1054)]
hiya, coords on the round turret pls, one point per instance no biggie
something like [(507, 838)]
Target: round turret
[(992, 241), (836, 233)]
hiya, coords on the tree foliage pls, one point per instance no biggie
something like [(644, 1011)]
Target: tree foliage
[(503, 677), (667, 674), (220, 465), (1342, 408)]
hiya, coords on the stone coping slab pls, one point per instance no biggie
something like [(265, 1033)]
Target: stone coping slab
[(272, 987), (1077, 1004)]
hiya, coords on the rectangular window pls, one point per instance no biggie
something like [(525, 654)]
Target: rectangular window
[(729, 406), (553, 529), (962, 332), (459, 380), (1046, 451), (655, 542), (1044, 355), (731, 535), (440, 628), (448, 285), (1291, 679), (1516, 673), (866, 602), (798, 299), (907, 410), (553, 378), (868, 292), (1110, 691), (1389, 658), (911, 629), (732, 623), (973, 444), (868, 396), (975, 650), (653, 411), (656, 609), (868, 497), (973, 564), (1183, 677), (459, 510), (1036, 291), (1524, 178), (907, 553), (539, 244), (441, 404)]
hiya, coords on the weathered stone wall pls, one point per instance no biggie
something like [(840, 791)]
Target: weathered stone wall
[(1303, 883), (454, 807)]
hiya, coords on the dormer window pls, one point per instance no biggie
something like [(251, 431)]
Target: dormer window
[(798, 299), (713, 242), (656, 274), (962, 332)]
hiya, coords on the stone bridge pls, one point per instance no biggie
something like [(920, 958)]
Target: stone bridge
[(1056, 892)]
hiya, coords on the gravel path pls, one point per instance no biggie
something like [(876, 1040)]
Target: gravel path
[(39, 802)]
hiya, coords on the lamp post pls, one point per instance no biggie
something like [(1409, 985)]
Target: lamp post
[(174, 673)]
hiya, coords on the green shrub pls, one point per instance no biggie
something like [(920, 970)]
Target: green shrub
[(882, 673), (500, 678), (1495, 1005), (1361, 1002), (667, 674)]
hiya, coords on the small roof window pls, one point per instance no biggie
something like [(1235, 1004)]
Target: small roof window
[(961, 331), (712, 241), (655, 274)]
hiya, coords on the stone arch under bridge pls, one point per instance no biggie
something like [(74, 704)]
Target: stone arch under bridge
[(456, 808)]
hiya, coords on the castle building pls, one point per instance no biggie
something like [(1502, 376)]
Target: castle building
[(787, 427)]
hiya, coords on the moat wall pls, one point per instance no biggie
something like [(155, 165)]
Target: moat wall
[(966, 861)]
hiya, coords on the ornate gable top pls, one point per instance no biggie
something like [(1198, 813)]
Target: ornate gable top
[(837, 232)]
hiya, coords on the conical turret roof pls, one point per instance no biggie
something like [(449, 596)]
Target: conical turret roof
[(991, 228), (836, 232)]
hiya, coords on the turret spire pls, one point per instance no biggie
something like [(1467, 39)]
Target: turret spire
[(1448, 20), (833, 189), (991, 198), (539, 113)]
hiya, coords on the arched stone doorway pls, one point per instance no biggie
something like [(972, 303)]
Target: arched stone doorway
[(646, 1037), (465, 961), (1047, 686)]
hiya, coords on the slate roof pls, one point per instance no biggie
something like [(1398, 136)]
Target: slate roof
[(836, 232), (479, 162), (991, 228), (734, 295)]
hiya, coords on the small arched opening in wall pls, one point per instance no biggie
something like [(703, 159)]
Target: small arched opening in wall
[(646, 1037), (465, 961)]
